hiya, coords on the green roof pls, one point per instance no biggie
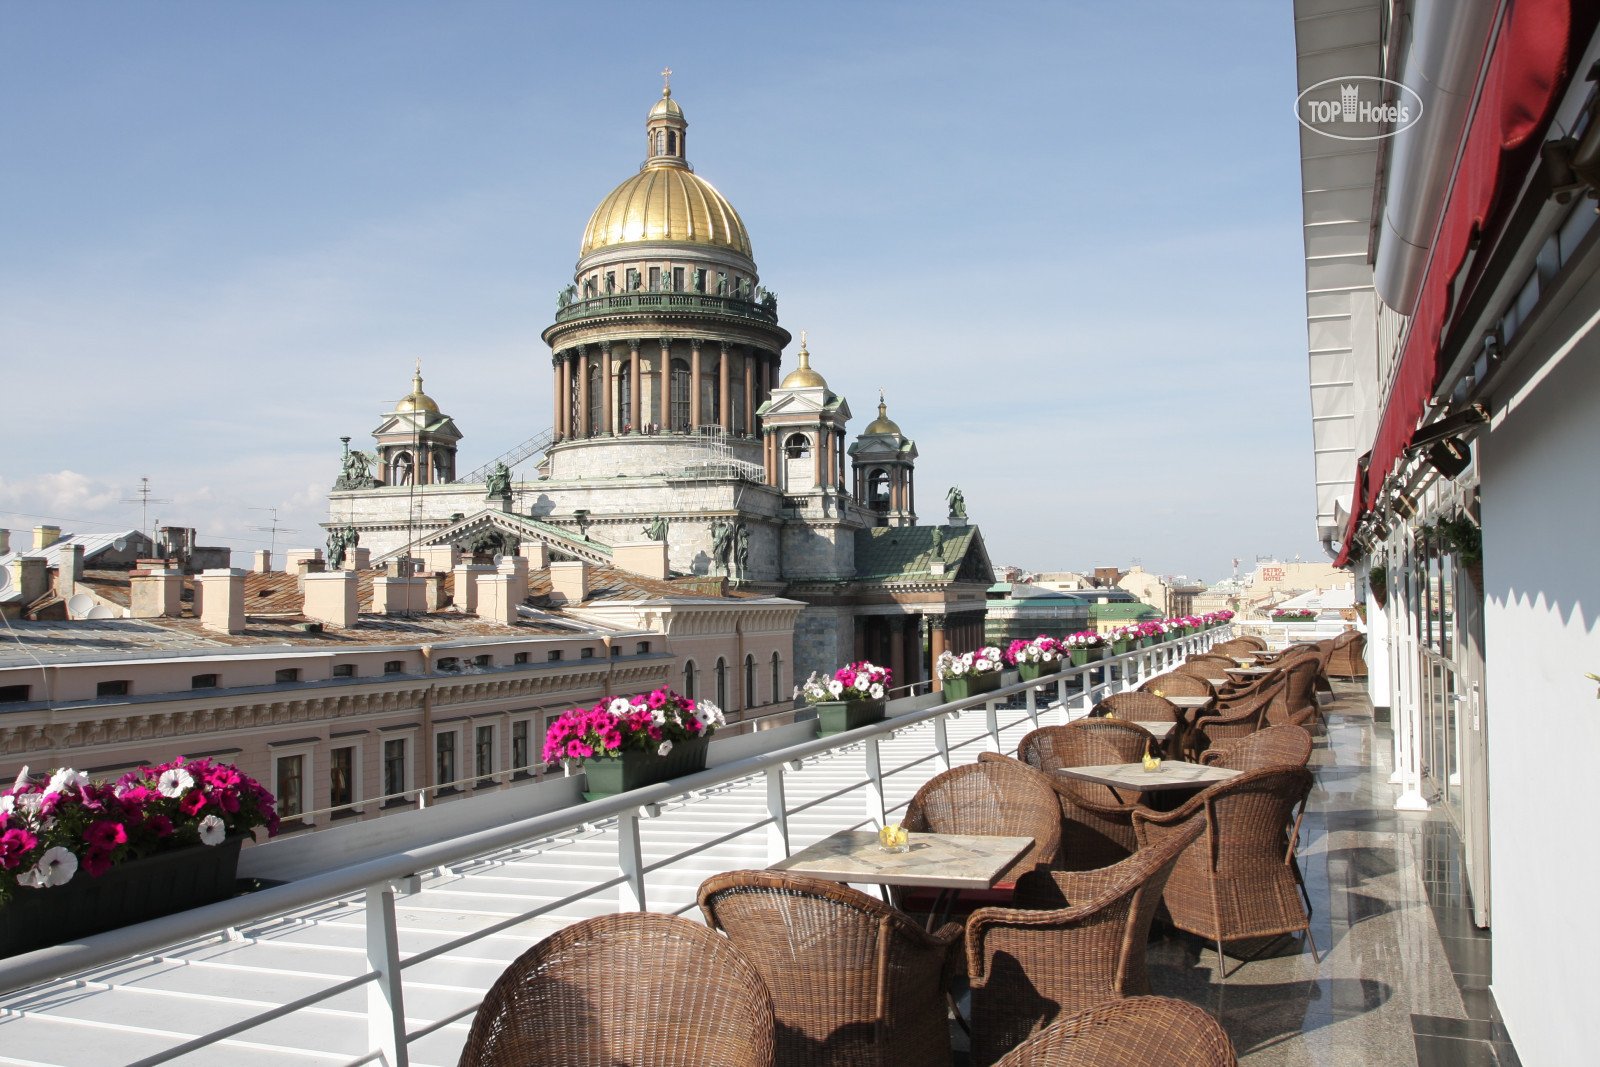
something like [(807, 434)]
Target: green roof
[(907, 553), (1137, 610)]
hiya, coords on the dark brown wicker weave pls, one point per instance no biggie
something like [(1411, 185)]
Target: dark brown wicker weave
[(998, 798), (1276, 746), (1239, 718), (636, 989), (1076, 939), (1296, 702), (1243, 646), (1259, 643), (853, 981), (1240, 878), (1200, 670), (1135, 1032), (1096, 826), (1349, 658), (1178, 685), (1215, 658), (1138, 707)]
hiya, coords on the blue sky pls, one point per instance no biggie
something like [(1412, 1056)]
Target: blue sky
[(1064, 238)]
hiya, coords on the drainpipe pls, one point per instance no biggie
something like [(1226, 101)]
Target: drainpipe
[(425, 756)]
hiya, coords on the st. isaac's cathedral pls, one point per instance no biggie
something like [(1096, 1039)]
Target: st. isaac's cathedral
[(679, 444)]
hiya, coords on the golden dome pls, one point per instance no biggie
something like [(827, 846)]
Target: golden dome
[(883, 423), (666, 106), (417, 400), (665, 201), (803, 377)]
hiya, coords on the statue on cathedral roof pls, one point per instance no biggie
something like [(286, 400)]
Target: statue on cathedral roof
[(340, 541), (498, 484), (656, 530), (958, 502), (355, 468)]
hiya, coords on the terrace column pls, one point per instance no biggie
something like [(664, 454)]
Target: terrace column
[(663, 384), (633, 384), (583, 392), (936, 647), (726, 411), (897, 649), (558, 392), (606, 423), (694, 384)]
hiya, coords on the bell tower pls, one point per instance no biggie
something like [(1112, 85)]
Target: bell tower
[(416, 443), (883, 461), (803, 433)]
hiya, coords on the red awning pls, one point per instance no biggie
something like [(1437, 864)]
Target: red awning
[(1527, 70)]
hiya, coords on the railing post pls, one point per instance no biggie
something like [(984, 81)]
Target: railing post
[(778, 809), (1033, 707), (991, 716), (630, 863), (877, 807), (941, 740), (386, 1013)]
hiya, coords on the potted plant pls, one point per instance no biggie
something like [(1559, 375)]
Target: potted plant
[(625, 743), (78, 857), (1378, 582), (853, 697), (1085, 646), (969, 673), (1292, 615), (1034, 658), (1123, 639)]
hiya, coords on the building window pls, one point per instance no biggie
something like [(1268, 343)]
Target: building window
[(203, 681), (611, 282), (553, 655), (586, 653), (394, 666), (878, 490), (111, 689), (655, 279), (680, 396), (777, 675), (344, 670), (688, 679), (394, 768), (749, 681), (444, 762), (286, 675), (642, 648), (798, 446), (677, 279), (483, 753), (700, 280), (14, 694), (448, 665), (519, 658), (722, 682), (624, 395), (596, 397), (290, 781), (520, 756), (616, 650), (484, 660), (342, 777)]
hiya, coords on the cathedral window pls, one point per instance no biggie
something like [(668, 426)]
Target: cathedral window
[(680, 396), (625, 396), (596, 396), (400, 469), (878, 490), (632, 280), (611, 282), (677, 279), (700, 280), (798, 446), (655, 279), (672, 142)]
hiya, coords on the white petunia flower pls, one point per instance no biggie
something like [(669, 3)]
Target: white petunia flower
[(55, 867), (663, 748), (957, 668), (710, 714), (835, 688), (8, 804), (620, 706), (65, 779), (863, 682), (876, 692), (212, 832), (175, 782)]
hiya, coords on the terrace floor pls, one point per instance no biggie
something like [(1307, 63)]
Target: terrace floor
[(1403, 979)]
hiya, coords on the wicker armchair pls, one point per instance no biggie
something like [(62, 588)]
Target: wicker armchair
[(1276, 746), (1178, 685), (1076, 939), (1138, 707), (1240, 879), (998, 798), (1134, 1032), (1259, 643), (1243, 646), (636, 989), (1349, 659), (1239, 718), (1096, 825), (853, 981), (1296, 702), (1201, 669)]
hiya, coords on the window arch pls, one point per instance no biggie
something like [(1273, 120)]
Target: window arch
[(798, 446), (680, 395), (688, 679), (777, 677), (722, 683), (672, 142), (401, 469), (749, 680), (878, 489)]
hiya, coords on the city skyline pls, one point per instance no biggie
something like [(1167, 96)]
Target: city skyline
[(236, 229)]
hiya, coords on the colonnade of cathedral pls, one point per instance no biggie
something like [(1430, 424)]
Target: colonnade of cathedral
[(602, 391)]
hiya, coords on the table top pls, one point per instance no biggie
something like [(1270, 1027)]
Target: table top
[(947, 861), (1250, 672), (1159, 729), (1188, 702), (1217, 681), (1174, 774)]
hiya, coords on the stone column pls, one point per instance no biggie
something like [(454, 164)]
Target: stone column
[(694, 384), (838, 457), (563, 395), (664, 384), (750, 394), (817, 451), (634, 391), (936, 646), (726, 410), (583, 426), (897, 649), (606, 423)]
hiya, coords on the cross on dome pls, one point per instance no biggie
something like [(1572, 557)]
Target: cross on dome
[(666, 81)]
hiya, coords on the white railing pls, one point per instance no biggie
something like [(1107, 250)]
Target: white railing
[(379, 879)]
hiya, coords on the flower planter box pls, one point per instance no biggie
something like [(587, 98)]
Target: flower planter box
[(1032, 672), (1119, 647), (837, 716), (1149, 641), (970, 685), (128, 893), (637, 768), (1084, 656)]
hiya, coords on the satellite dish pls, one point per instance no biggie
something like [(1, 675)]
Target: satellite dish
[(100, 611), (499, 558), (120, 544), (80, 604), (5, 579)]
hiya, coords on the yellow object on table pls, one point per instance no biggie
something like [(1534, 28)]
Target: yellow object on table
[(893, 838), (1152, 763)]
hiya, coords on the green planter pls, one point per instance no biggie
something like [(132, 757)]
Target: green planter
[(1148, 641), (970, 685), (1119, 647), (128, 893), (1084, 656), (837, 716), (1032, 672), (635, 769)]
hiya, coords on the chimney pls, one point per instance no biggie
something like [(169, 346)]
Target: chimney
[(433, 590), (294, 556), (647, 558), (535, 552), (261, 561), (494, 594), (157, 593), (45, 536), (358, 558), (31, 575), (69, 570), (516, 568), (5, 541), (440, 557), (222, 606), (397, 596), (466, 593), (569, 582), (330, 597)]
